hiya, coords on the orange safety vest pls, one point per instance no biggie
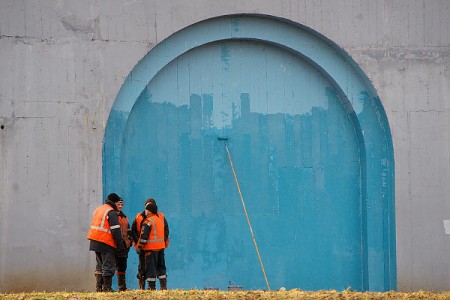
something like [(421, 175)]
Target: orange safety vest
[(123, 222), (100, 230), (138, 220), (156, 237), (161, 215)]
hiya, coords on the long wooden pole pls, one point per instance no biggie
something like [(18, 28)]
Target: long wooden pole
[(248, 219)]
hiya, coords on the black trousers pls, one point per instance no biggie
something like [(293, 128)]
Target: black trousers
[(141, 266), (151, 262), (160, 265), (105, 263), (121, 264)]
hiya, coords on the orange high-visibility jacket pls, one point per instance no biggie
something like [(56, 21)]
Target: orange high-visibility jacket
[(152, 234), (138, 221), (124, 226), (139, 218), (166, 240), (100, 230)]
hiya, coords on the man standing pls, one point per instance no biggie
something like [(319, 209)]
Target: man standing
[(161, 264), (122, 255), (135, 233), (105, 239), (151, 242)]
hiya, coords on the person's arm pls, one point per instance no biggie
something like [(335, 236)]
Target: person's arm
[(166, 233), (145, 233), (166, 229), (126, 232), (116, 231), (134, 232)]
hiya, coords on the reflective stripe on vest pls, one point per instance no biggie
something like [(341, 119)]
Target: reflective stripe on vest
[(100, 230), (161, 216), (102, 224), (156, 236), (154, 240)]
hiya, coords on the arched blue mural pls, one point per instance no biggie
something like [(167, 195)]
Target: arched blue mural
[(309, 140)]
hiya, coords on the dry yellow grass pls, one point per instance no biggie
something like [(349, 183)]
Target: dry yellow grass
[(216, 295)]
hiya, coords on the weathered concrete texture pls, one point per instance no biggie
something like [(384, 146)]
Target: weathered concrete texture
[(63, 62), (414, 86)]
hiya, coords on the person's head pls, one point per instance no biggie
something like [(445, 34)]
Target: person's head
[(119, 204), (151, 208), (113, 197), (150, 200)]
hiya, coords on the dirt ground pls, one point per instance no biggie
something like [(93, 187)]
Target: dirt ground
[(222, 295)]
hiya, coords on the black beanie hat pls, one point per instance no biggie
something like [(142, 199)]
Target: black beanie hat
[(114, 197), (152, 207), (149, 200)]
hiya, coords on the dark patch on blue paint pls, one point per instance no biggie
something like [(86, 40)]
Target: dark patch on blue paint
[(235, 24), (225, 56)]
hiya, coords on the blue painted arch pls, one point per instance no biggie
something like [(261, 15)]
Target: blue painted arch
[(357, 96)]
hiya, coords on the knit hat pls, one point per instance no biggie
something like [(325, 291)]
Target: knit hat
[(152, 207), (114, 197), (150, 200)]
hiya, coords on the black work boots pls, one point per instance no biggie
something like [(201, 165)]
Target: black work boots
[(141, 280), (107, 284), (163, 283), (121, 282), (152, 285), (98, 283)]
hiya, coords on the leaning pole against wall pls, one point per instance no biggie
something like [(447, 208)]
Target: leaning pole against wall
[(312, 147)]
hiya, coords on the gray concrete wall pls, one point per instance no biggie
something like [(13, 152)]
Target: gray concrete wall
[(63, 62)]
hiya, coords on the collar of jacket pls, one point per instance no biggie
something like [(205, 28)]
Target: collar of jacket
[(112, 204)]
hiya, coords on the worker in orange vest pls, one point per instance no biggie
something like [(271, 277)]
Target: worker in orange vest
[(105, 239), (122, 256), (136, 232), (151, 242), (161, 266)]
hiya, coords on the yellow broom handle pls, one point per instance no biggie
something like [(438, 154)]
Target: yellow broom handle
[(246, 215)]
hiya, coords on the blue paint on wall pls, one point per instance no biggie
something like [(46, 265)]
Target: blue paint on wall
[(310, 143)]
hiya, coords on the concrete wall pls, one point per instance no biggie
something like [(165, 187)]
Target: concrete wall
[(63, 62)]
